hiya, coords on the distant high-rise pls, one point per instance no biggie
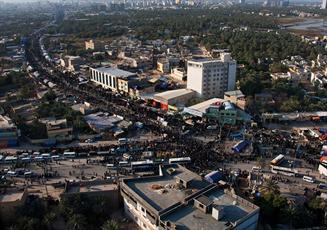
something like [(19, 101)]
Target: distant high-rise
[(324, 4), (241, 2)]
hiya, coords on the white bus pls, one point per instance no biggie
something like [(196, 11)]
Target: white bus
[(69, 154), (308, 179), (123, 163), (122, 140), (277, 160), (181, 160), (284, 171), (10, 159)]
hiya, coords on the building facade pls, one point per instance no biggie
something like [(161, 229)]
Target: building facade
[(8, 133), (180, 199), (324, 4), (211, 78), (109, 78)]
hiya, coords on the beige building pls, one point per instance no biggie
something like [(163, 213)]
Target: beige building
[(178, 74), (163, 66), (92, 45), (174, 98), (71, 63), (135, 87), (236, 97)]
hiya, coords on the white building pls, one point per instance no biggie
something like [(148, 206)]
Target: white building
[(108, 77), (324, 4), (212, 77)]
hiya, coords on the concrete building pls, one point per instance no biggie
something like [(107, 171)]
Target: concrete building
[(8, 132), (163, 66), (10, 200), (212, 77), (58, 129), (92, 45), (220, 110), (172, 99), (71, 63), (135, 87), (236, 97), (324, 4), (178, 74), (108, 77), (180, 199)]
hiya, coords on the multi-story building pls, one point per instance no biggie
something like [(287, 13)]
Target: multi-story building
[(212, 77), (8, 132), (324, 4), (71, 63), (108, 78), (92, 45), (163, 66), (236, 97), (180, 199)]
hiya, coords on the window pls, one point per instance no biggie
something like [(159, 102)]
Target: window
[(201, 206)]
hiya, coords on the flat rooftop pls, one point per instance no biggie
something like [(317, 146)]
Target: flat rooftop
[(235, 93), (190, 217), (11, 196), (5, 122), (161, 192), (200, 108), (173, 93), (91, 188), (115, 72)]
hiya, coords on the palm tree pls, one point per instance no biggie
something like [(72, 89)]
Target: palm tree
[(270, 186), (261, 163), (77, 222), (110, 225)]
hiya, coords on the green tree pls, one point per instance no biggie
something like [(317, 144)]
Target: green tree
[(110, 225), (270, 186), (77, 222)]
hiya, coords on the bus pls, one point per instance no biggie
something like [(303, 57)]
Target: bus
[(103, 153), (10, 159), (39, 159), (69, 154), (308, 179), (284, 171), (122, 140), (123, 163), (46, 156), (322, 186), (111, 166), (142, 165), (277, 160), (26, 159), (181, 160)]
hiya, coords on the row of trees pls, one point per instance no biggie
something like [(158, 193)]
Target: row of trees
[(77, 213), (276, 209)]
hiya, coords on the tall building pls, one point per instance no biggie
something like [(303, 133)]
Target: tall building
[(212, 77), (324, 4)]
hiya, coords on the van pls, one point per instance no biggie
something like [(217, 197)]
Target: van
[(122, 140), (308, 179), (322, 186), (256, 169)]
